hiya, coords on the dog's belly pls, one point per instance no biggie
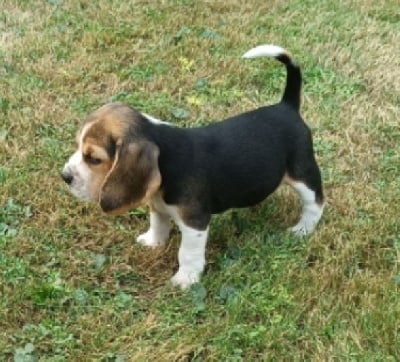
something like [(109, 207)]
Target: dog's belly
[(239, 197)]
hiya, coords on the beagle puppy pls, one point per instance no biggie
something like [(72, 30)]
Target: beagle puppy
[(126, 158)]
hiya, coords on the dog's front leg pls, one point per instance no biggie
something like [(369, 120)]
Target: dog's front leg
[(160, 226), (191, 256)]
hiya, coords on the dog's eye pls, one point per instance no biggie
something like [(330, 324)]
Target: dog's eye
[(92, 160)]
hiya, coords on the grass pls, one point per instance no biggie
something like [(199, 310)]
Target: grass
[(75, 286)]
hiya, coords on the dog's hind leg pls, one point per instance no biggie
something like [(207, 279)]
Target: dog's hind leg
[(312, 209), (306, 180)]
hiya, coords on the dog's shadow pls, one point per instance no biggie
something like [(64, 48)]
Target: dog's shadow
[(236, 229), (277, 213)]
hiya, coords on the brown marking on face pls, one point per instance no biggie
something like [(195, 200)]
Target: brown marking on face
[(99, 137), (96, 151), (99, 161), (112, 120), (123, 164)]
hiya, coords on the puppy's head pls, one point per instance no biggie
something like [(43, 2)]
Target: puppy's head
[(115, 164)]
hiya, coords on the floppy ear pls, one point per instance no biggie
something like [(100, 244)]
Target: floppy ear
[(133, 178)]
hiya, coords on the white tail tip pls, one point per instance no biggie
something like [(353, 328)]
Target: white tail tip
[(267, 50)]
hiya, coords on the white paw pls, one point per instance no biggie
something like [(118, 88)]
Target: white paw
[(150, 239), (309, 220), (303, 228), (185, 279)]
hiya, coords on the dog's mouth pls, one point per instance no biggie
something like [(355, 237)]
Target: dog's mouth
[(81, 194)]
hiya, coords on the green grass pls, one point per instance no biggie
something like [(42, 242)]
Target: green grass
[(74, 285)]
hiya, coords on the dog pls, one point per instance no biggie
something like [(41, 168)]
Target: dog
[(126, 158)]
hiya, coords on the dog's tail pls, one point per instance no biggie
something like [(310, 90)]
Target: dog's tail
[(291, 95)]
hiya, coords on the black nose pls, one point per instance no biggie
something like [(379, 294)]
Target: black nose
[(67, 178)]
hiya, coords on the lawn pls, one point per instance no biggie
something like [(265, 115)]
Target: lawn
[(74, 285)]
